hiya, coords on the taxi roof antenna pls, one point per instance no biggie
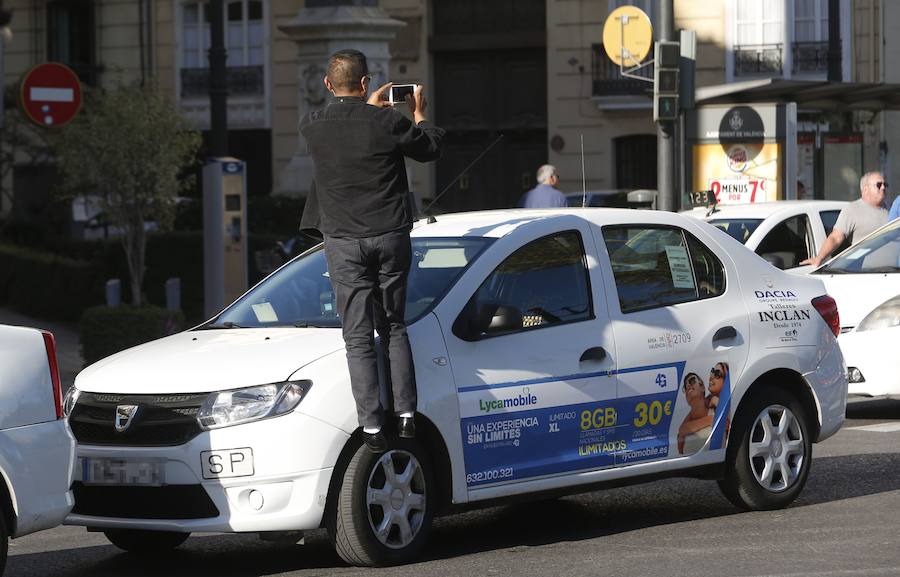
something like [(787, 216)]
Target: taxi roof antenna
[(431, 218), (583, 185)]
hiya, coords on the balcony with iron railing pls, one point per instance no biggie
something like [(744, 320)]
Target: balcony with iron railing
[(607, 78), (242, 81), (809, 57), (764, 59)]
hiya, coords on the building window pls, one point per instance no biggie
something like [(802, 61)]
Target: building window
[(810, 45), (635, 161), (244, 42), (71, 37), (607, 79), (759, 37)]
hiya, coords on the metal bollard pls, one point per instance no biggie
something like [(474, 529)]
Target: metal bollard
[(173, 294), (113, 292)]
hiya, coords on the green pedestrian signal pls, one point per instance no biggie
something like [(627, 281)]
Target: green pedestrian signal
[(665, 81)]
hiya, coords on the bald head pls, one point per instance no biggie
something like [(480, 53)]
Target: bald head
[(872, 188)]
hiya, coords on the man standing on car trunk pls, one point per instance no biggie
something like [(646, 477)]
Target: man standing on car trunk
[(360, 204)]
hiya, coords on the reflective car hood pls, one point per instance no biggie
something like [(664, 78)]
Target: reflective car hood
[(857, 294), (209, 360)]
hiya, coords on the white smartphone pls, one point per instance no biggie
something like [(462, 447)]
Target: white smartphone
[(399, 92)]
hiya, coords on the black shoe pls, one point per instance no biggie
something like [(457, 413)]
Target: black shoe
[(376, 442), (406, 427)]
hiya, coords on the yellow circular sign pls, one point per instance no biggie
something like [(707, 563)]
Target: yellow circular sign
[(627, 35)]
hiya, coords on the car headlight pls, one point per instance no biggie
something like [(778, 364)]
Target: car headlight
[(884, 316), (226, 408), (69, 400)]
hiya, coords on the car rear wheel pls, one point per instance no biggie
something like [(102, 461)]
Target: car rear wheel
[(145, 542), (384, 508), (4, 543), (770, 452)]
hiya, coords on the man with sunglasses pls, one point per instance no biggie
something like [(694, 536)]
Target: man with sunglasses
[(858, 218), (360, 204)]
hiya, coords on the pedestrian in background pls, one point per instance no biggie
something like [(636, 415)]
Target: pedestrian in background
[(895, 209), (360, 205), (545, 194), (858, 218)]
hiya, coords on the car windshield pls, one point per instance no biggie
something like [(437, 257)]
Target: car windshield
[(877, 254), (300, 294), (739, 229)]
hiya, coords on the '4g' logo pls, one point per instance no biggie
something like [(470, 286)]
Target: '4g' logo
[(661, 380)]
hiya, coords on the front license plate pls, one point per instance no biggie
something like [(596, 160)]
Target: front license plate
[(227, 463), (104, 471)]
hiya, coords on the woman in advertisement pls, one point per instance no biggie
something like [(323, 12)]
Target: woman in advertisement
[(719, 399)]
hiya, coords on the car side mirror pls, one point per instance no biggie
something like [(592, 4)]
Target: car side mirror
[(489, 319), (773, 259), (504, 319)]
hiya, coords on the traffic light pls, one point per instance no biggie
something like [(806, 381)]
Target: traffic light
[(665, 80)]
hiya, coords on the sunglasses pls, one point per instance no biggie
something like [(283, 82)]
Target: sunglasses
[(714, 372), (693, 381), (881, 184)]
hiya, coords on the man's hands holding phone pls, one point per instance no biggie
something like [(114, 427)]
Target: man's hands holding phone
[(415, 101)]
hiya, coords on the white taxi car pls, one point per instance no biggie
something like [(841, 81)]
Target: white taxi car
[(865, 282), (37, 450), (555, 351), (784, 232)]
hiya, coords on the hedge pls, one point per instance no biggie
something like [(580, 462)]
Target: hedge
[(108, 330), (33, 281), (47, 285)]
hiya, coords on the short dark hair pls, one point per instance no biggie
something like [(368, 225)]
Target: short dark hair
[(346, 68), (696, 376)]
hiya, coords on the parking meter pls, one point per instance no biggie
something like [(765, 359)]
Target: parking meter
[(224, 233)]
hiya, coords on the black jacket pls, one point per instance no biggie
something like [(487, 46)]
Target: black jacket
[(360, 187)]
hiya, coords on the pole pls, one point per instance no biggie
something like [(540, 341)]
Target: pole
[(218, 82), (665, 130), (834, 41)]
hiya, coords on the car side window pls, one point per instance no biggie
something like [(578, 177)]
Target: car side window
[(656, 266), (787, 244), (543, 283)]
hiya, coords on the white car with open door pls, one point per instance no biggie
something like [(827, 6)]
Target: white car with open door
[(865, 282), (37, 450), (784, 232), (555, 351)]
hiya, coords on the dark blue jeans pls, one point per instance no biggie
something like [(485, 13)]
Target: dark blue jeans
[(369, 279)]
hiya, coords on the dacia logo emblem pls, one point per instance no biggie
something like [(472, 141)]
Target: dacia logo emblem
[(125, 416)]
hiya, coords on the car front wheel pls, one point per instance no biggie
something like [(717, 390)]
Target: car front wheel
[(145, 542), (384, 507), (769, 455)]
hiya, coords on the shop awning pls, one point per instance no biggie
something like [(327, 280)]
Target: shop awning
[(808, 94)]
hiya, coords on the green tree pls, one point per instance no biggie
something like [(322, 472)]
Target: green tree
[(131, 147)]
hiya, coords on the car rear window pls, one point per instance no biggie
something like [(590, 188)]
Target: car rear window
[(739, 229)]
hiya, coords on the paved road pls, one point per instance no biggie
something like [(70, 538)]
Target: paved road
[(845, 524)]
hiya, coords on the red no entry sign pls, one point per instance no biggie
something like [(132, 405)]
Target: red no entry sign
[(51, 94)]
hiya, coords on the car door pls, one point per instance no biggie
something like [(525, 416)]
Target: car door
[(531, 350), (681, 327), (789, 242)]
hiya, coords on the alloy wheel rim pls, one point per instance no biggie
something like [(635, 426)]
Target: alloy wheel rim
[(395, 498), (777, 448)]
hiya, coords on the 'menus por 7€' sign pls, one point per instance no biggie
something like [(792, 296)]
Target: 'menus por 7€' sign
[(50, 94), (738, 190)]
